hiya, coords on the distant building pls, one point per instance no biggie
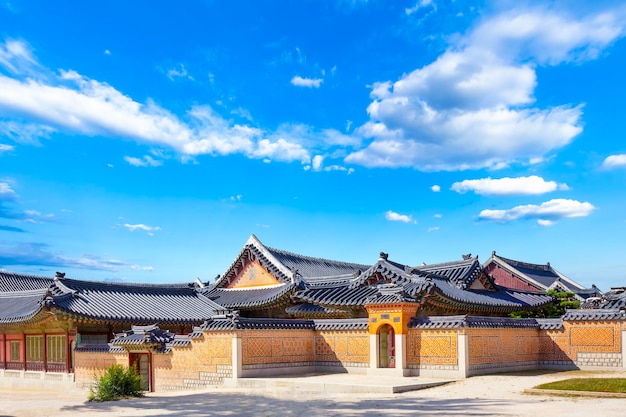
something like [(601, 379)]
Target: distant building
[(526, 276)]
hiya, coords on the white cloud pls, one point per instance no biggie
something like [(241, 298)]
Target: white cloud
[(148, 229), (27, 133), (473, 106), (306, 82), (433, 229), (6, 148), (76, 104), (420, 5), (141, 268), (6, 191), (438, 216), (34, 216), (317, 162), (545, 223), (614, 161), (550, 211), (397, 217), (107, 52), (145, 161), (178, 72), (16, 56), (435, 188), (532, 185), (39, 254), (237, 197)]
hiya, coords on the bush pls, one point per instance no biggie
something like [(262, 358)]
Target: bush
[(116, 382)]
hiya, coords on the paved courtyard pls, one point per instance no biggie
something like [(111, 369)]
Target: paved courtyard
[(492, 395)]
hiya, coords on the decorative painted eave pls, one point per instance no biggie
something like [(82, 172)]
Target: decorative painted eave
[(260, 253)]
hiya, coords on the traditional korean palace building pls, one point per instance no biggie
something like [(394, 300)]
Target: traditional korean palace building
[(534, 277), (274, 312)]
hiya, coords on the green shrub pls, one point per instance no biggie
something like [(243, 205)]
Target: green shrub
[(116, 382)]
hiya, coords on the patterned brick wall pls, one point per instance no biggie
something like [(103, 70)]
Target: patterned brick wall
[(89, 364), (348, 348), (502, 348), (432, 349), (583, 343), (206, 362), (271, 348)]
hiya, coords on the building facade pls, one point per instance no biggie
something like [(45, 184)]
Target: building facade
[(275, 312)]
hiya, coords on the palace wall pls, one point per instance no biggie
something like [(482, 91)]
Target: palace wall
[(215, 357), (205, 362), (90, 364)]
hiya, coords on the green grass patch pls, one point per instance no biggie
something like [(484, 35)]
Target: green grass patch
[(588, 384)]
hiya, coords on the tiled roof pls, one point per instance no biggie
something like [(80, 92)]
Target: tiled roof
[(410, 285), (451, 322), (232, 322), (313, 310), (461, 273), (341, 324), (314, 267), (544, 274), (610, 300), (550, 324), (99, 347), (502, 297), (286, 266), (136, 303), (140, 335), (251, 297), (599, 314), (152, 337), (14, 282), (20, 306)]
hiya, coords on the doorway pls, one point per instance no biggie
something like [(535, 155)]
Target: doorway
[(386, 347), (142, 363)]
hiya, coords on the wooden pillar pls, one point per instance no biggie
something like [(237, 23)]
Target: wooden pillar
[(45, 353), (68, 352), (23, 353), (3, 351)]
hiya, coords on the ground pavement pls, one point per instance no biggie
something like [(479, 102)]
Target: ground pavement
[(491, 395)]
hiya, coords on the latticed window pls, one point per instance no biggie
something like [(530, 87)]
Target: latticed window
[(56, 349), (14, 346), (34, 348)]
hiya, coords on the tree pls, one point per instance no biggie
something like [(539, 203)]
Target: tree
[(562, 300)]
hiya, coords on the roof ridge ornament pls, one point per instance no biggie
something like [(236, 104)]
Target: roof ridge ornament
[(383, 256)]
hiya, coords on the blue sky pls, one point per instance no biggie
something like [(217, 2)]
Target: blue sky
[(146, 140)]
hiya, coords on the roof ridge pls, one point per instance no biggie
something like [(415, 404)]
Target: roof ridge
[(513, 262), (67, 281), (314, 258), (24, 275), (447, 263)]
